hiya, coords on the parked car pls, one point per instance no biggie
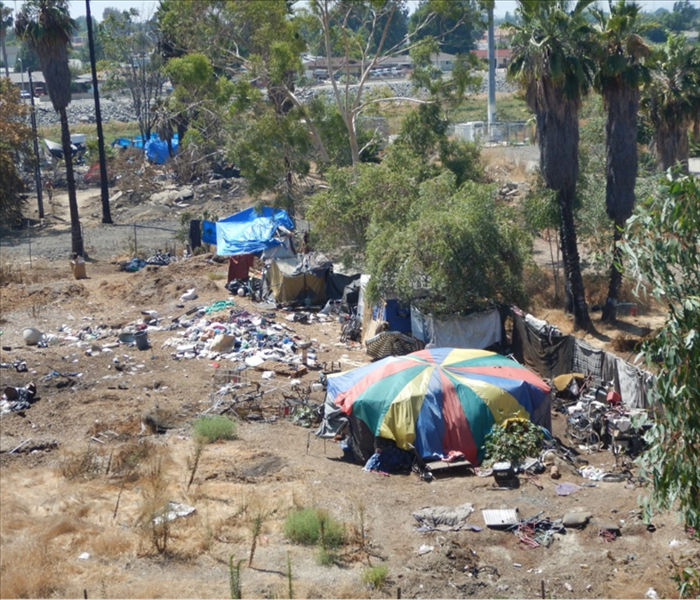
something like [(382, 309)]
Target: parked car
[(24, 94)]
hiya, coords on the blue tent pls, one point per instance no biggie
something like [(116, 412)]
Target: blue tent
[(246, 232)]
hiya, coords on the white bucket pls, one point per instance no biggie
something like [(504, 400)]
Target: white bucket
[(32, 336)]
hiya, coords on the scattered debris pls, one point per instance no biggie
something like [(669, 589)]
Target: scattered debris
[(174, 510)]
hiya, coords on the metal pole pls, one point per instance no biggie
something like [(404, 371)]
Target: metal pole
[(37, 161), (104, 183), (492, 75), (29, 241)]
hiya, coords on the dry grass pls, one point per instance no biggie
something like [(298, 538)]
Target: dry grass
[(112, 543), (87, 464), (29, 569)]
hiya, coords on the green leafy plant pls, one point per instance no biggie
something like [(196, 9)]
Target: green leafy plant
[(375, 576), (309, 526), (513, 441), (212, 429), (234, 577)]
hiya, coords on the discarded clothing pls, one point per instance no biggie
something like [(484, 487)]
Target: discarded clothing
[(443, 518), (219, 306), (390, 460), (135, 264), (15, 399)]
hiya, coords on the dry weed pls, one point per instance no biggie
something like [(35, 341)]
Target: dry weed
[(81, 465), (29, 569), (111, 543)]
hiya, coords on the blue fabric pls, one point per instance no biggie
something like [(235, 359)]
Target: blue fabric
[(249, 231), (390, 460), (157, 150)]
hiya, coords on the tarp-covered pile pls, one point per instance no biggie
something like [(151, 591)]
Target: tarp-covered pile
[(438, 401)]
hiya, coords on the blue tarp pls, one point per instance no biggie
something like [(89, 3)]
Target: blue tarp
[(246, 232), (157, 149)]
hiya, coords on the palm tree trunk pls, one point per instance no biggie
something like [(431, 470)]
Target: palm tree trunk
[(572, 263), (610, 308), (672, 147), (4, 55), (76, 231)]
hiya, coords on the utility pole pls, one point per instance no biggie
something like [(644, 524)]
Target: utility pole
[(104, 181), (37, 161), (492, 73)]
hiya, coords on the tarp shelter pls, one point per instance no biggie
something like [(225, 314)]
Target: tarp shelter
[(298, 280), (479, 330), (248, 232), (437, 401)]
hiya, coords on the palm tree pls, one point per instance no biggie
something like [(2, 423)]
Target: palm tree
[(552, 62), (672, 100), (5, 24), (621, 72), (47, 27)]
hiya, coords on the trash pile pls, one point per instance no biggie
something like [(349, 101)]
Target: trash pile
[(256, 340), (597, 418), (160, 259), (15, 399)]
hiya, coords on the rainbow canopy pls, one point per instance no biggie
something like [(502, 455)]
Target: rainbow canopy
[(440, 400)]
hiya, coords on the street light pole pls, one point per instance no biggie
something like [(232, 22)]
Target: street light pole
[(104, 183), (21, 73)]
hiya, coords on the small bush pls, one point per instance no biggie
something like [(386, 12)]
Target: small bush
[(83, 465), (375, 576), (513, 441), (310, 526), (213, 429), (325, 558)]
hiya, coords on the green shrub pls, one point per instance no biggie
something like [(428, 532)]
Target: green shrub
[(325, 558), (375, 576), (513, 441), (310, 526), (213, 429)]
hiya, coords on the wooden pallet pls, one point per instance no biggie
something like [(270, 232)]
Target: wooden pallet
[(284, 369), (440, 466)]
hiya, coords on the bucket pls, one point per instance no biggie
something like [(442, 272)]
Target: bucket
[(141, 338), (78, 270), (32, 336)]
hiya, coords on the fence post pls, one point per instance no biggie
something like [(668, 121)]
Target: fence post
[(195, 233)]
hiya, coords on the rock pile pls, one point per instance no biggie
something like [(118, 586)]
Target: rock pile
[(83, 111)]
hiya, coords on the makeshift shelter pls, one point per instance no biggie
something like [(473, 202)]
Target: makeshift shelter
[(297, 280), (438, 401), (479, 330), (250, 231)]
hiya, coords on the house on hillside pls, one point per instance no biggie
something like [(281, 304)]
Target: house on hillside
[(503, 56), (317, 68)]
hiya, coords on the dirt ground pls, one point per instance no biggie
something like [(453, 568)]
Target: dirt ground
[(73, 497)]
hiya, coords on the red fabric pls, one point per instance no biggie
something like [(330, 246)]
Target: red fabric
[(458, 435), (238, 266), (516, 373)]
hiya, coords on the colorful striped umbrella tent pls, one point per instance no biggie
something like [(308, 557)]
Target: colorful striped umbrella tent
[(440, 400)]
